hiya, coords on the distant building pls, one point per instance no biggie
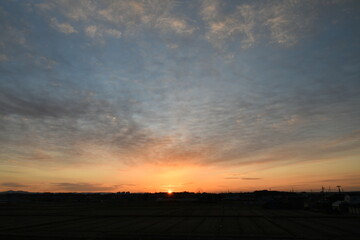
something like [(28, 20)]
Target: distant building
[(352, 197), (352, 200)]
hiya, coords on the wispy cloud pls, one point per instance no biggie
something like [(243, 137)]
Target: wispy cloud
[(225, 27), (113, 32), (62, 27), (12, 185), (177, 25), (129, 16), (281, 22), (91, 30), (99, 32), (231, 178), (248, 23), (83, 187), (3, 57)]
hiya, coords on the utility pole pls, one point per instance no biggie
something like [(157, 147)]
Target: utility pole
[(339, 187)]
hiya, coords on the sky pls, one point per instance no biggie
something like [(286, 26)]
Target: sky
[(158, 95)]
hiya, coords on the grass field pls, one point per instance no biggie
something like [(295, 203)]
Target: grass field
[(169, 221)]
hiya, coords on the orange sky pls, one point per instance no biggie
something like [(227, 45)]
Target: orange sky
[(153, 177)]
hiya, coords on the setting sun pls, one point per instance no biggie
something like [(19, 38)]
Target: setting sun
[(169, 192)]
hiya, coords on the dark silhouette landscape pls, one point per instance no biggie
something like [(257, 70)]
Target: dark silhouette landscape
[(180, 215)]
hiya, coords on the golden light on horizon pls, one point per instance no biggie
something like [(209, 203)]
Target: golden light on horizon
[(169, 192)]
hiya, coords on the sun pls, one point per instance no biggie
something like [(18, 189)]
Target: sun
[(169, 192)]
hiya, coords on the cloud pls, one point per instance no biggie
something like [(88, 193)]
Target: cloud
[(78, 10), (113, 32), (91, 30), (39, 155), (52, 129), (125, 185), (222, 24), (221, 28), (172, 45), (251, 178), (99, 32), (38, 107), (287, 21), (352, 137), (83, 187), (45, 6), (177, 25), (346, 181), (12, 38), (129, 16), (62, 27), (3, 57), (210, 9), (75, 125), (132, 102), (12, 185), (280, 22), (10, 171)]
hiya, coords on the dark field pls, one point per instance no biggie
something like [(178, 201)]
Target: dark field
[(169, 220)]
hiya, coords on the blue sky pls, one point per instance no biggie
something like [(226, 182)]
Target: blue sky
[(233, 88)]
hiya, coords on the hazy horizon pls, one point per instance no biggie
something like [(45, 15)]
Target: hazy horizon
[(198, 96), (171, 193)]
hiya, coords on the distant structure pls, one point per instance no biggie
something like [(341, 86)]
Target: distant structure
[(339, 187)]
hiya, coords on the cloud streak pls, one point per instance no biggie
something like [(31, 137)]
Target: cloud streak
[(83, 187), (12, 185), (62, 27)]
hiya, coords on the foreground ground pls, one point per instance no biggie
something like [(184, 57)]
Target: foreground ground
[(169, 220)]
